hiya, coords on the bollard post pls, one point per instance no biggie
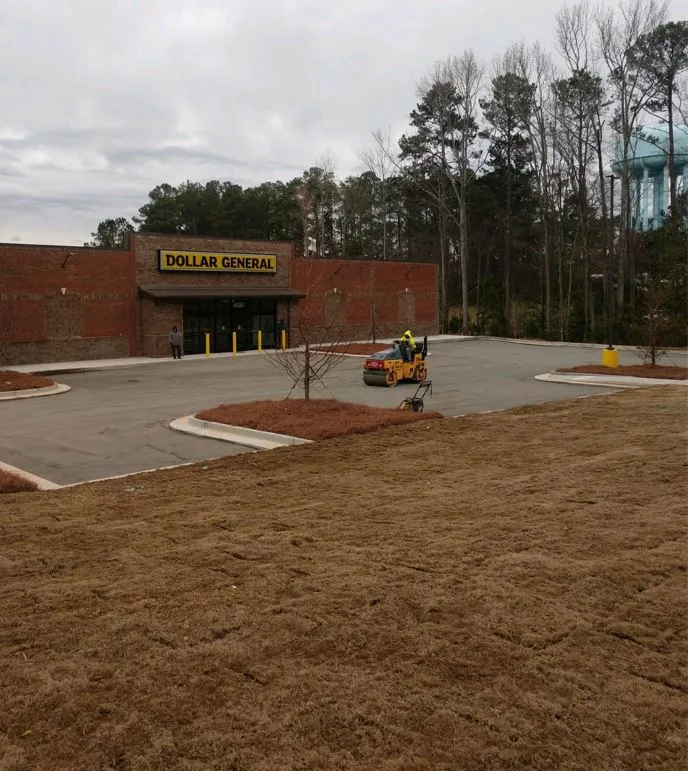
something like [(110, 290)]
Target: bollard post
[(284, 339), (610, 357), (207, 343), (233, 343), (260, 341)]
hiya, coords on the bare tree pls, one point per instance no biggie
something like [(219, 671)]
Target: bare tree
[(316, 197), (580, 97), (654, 326), (317, 326), (681, 99), (466, 73), (618, 35), (574, 38), (535, 65), (378, 159)]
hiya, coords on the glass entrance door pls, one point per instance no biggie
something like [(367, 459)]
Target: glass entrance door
[(222, 317), (222, 337)]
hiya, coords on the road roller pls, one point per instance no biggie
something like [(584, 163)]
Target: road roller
[(395, 365)]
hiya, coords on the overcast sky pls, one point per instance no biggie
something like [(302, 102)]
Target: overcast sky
[(104, 99)]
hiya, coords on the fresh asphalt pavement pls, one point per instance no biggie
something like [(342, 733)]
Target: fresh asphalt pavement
[(115, 421)]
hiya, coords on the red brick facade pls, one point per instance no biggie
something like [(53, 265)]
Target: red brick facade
[(72, 303), (62, 303), (367, 299)]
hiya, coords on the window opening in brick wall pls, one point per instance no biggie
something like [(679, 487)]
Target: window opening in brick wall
[(334, 309), (407, 308)]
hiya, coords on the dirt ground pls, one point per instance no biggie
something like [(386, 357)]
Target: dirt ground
[(314, 419), (503, 591), (20, 381), (637, 370), (9, 483)]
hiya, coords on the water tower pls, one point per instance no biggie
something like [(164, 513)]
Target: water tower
[(649, 171)]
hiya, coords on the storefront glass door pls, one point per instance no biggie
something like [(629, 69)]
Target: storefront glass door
[(222, 317)]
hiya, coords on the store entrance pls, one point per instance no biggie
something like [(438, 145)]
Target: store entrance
[(222, 317)]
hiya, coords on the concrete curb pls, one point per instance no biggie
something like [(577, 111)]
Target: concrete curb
[(607, 381), (41, 484), (246, 437), (30, 393), (556, 344)]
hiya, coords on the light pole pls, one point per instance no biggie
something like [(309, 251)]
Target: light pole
[(610, 356)]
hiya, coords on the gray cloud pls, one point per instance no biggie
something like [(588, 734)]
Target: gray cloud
[(109, 99)]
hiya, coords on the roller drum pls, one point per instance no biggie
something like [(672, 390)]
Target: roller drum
[(375, 378)]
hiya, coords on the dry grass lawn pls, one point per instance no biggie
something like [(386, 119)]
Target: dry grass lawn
[(670, 372), (314, 419), (21, 381), (519, 604), (9, 483)]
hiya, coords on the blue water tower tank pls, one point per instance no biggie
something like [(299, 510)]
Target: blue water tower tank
[(649, 170)]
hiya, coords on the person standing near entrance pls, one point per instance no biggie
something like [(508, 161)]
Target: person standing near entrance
[(176, 343)]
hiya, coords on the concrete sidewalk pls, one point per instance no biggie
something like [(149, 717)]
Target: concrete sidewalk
[(55, 368), (609, 381)]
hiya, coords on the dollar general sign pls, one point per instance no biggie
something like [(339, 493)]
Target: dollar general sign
[(217, 262)]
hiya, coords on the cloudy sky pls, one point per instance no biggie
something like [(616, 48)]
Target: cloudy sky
[(104, 99)]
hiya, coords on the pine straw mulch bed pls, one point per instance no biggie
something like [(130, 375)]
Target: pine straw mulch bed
[(314, 419), (633, 370), (22, 381), (357, 349), (9, 483), (504, 591)]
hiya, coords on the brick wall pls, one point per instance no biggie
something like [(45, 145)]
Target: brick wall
[(405, 295), (93, 318), (101, 315), (157, 320)]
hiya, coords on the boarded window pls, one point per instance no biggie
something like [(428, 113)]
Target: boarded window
[(334, 309), (407, 308), (64, 316)]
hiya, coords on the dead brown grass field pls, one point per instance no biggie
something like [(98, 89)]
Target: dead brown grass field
[(631, 370), (9, 483), (21, 381), (518, 601), (313, 419)]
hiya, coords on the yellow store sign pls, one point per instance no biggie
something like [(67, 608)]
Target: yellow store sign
[(217, 262)]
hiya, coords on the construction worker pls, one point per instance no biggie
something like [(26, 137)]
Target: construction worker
[(409, 343)]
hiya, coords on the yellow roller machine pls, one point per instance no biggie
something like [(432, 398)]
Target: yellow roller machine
[(394, 365)]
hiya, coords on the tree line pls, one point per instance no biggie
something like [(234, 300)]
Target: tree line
[(502, 178)]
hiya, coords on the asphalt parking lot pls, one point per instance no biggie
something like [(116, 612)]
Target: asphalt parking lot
[(115, 421)]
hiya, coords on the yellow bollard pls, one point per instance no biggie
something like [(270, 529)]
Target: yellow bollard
[(233, 343), (260, 341), (610, 357), (284, 339), (207, 343)]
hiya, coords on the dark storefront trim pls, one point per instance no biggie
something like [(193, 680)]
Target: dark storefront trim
[(221, 311), (191, 292)]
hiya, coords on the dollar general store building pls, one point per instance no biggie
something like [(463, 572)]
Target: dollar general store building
[(71, 303)]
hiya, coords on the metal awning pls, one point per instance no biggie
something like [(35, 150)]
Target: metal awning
[(193, 292)]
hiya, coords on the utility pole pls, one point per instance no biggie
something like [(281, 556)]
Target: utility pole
[(610, 356)]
